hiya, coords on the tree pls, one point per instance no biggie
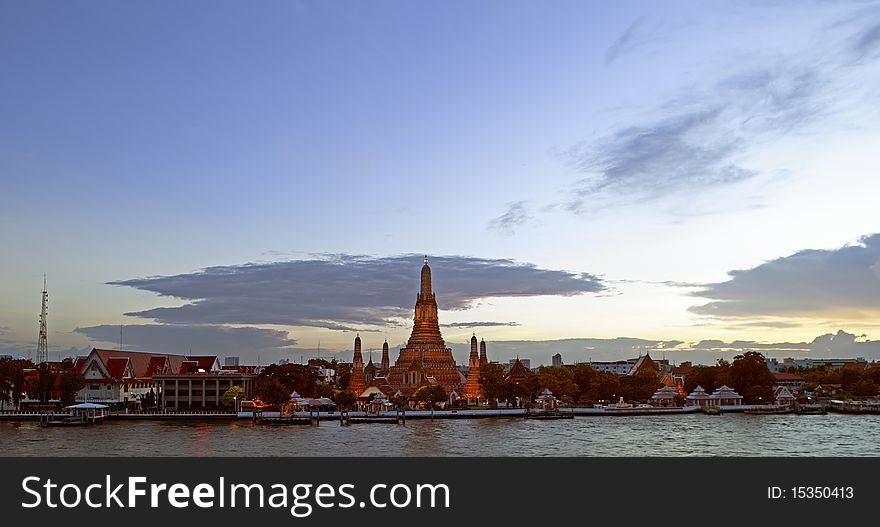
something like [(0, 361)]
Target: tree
[(585, 377), (297, 377), (865, 388), (72, 381), (5, 383), (343, 376), (559, 380), (639, 387), (271, 392), (19, 379), (345, 399), (149, 400), (45, 382), (232, 397), (749, 375), (492, 382), (324, 390), (704, 376), (431, 395)]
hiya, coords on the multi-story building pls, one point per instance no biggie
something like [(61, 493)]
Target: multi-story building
[(203, 390), (127, 378)]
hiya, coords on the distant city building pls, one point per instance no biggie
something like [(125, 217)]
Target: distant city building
[(557, 360), (231, 361), (631, 366), (834, 364)]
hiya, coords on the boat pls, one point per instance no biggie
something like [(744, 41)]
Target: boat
[(712, 410)]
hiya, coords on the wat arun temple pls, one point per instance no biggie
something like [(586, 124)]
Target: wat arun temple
[(424, 361)]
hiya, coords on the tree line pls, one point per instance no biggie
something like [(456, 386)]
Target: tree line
[(42, 382)]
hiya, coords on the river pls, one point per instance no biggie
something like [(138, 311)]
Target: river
[(672, 435)]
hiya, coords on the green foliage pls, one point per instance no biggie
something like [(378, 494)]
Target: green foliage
[(748, 374), (431, 395), (149, 400), (343, 376), (865, 388), (299, 377), (324, 390), (345, 399), (705, 376), (45, 382), (559, 380), (271, 391), (232, 396), (639, 387), (72, 381), (492, 382)]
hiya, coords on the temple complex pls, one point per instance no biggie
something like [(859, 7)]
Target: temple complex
[(425, 360)]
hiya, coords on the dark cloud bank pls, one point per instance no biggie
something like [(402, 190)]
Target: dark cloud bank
[(343, 292), (810, 283)]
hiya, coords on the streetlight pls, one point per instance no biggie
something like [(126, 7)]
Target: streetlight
[(235, 403)]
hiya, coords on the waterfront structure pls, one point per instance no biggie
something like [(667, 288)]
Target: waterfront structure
[(556, 360), (472, 391), (699, 397), (125, 378), (783, 396), (725, 396), (357, 383), (201, 390), (664, 396)]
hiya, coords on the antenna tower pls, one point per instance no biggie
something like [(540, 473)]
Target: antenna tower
[(43, 341)]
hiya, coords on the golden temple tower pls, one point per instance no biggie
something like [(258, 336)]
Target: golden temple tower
[(357, 384), (425, 359), (472, 390)]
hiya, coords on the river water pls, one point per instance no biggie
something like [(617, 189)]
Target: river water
[(678, 435)]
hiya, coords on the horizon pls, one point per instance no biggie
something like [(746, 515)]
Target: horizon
[(585, 182)]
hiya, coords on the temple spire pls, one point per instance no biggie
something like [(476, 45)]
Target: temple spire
[(426, 290), (357, 384)]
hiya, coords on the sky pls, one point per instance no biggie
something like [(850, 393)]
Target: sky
[(691, 179)]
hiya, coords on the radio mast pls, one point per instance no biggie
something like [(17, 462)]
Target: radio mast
[(43, 342)]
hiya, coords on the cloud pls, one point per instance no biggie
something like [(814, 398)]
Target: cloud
[(343, 291), (626, 42), (516, 216), (197, 340), (700, 138), (809, 283), (479, 324), (675, 152)]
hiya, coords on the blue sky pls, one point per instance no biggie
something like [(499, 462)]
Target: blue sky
[(632, 153)]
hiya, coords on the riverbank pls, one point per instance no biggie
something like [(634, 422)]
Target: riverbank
[(486, 413)]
